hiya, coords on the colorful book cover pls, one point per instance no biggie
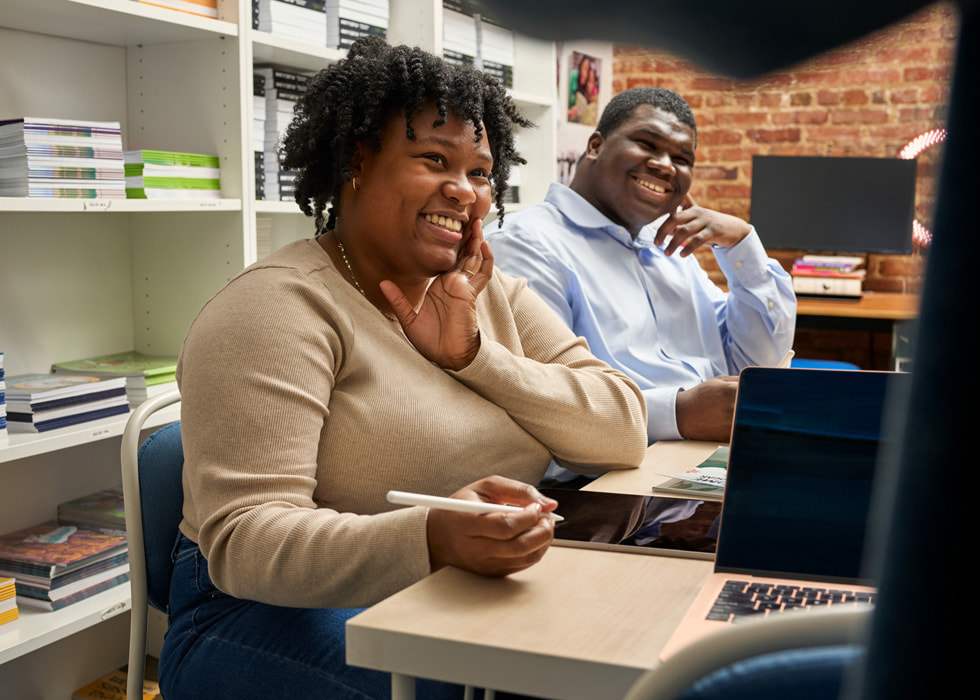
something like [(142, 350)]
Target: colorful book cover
[(52, 605), (102, 509), (50, 549)]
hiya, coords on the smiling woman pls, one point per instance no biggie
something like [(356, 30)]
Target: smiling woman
[(384, 353)]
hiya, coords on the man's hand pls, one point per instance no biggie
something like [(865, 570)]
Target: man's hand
[(705, 412), (692, 227)]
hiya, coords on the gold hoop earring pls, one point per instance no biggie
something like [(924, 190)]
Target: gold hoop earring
[(353, 183)]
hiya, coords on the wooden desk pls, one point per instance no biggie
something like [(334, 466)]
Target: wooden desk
[(662, 460), (878, 309), (580, 624)]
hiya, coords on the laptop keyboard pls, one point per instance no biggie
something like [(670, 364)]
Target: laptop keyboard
[(741, 599)]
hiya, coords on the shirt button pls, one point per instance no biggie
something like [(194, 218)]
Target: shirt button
[(771, 305), (738, 264)]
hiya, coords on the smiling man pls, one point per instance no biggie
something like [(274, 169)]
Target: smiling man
[(612, 254)]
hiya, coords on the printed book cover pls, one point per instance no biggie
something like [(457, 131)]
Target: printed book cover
[(102, 509), (50, 549)]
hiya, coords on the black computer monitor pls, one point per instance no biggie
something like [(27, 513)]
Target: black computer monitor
[(834, 204)]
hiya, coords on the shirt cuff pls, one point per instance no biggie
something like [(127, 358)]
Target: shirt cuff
[(661, 414)]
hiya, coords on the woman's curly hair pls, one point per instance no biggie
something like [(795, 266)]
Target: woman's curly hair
[(352, 100)]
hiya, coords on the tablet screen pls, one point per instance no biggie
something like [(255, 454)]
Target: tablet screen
[(645, 524)]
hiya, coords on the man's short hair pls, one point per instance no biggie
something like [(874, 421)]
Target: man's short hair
[(622, 106)]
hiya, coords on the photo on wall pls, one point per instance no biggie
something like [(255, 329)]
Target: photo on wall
[(583, 89)]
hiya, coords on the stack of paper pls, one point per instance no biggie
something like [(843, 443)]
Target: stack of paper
[(348, 20), (299, 20), (202, 8), (282, 89), (144, 375), (171, 175), (61, 159), (57, 565), (40, 402)]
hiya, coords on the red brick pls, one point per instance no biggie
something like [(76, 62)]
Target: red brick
[(716, 137), (801, 116), (855, 97), (858, 116), (773, 135), (742, 118)]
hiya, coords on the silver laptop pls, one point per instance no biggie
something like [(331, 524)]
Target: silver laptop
[(801, 464)]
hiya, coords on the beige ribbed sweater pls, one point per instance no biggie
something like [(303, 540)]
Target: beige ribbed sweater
[(302, 405)]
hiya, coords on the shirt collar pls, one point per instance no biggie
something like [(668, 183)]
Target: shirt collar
[(583, 215)]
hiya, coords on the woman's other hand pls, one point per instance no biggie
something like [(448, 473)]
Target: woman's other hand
[(445, 328), (493, 544)]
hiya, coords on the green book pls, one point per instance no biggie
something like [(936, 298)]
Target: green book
[(154, 369)]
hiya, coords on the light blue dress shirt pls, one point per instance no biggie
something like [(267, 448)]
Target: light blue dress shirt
[(657, 318)]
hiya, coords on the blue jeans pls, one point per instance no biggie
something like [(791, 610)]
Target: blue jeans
[(218, 646)]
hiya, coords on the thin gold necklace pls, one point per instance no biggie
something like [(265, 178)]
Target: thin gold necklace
[(343, 256)]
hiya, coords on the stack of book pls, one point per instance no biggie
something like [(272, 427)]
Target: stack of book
[(202, 8), (171, 175), (4, 434), (61, 159), (8, 601), (57, 565), (829, 276), (282, 89), (459, 41), (298, 20), (112, 686), (40, 402), (143, 376), (102, 510), (705, 481), (496, 50), (348, 20), (258, 132)]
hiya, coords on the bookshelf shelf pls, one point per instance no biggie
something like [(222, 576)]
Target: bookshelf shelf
[(113, 22), (90, 277), (37, 628), (24, 446)]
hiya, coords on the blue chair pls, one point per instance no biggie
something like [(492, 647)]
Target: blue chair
[(154, 498), (822, 364), (802, 656)]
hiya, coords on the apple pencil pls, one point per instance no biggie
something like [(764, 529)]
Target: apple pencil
[(404, 498)]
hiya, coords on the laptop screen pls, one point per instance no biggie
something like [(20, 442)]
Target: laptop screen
[(801, 465)]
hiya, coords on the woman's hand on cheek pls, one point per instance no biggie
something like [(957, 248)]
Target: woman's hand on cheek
[(445, 328)]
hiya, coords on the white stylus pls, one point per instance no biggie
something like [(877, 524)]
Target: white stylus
[(403, 498)]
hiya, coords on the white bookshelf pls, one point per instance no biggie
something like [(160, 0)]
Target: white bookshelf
[(81, 278)]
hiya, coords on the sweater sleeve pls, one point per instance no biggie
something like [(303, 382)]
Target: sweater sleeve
[(590, 416)]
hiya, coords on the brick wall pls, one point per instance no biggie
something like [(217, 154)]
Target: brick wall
[(868, 98)]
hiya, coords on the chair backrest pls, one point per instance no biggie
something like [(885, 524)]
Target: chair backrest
[(153, 496), (160, 461)]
